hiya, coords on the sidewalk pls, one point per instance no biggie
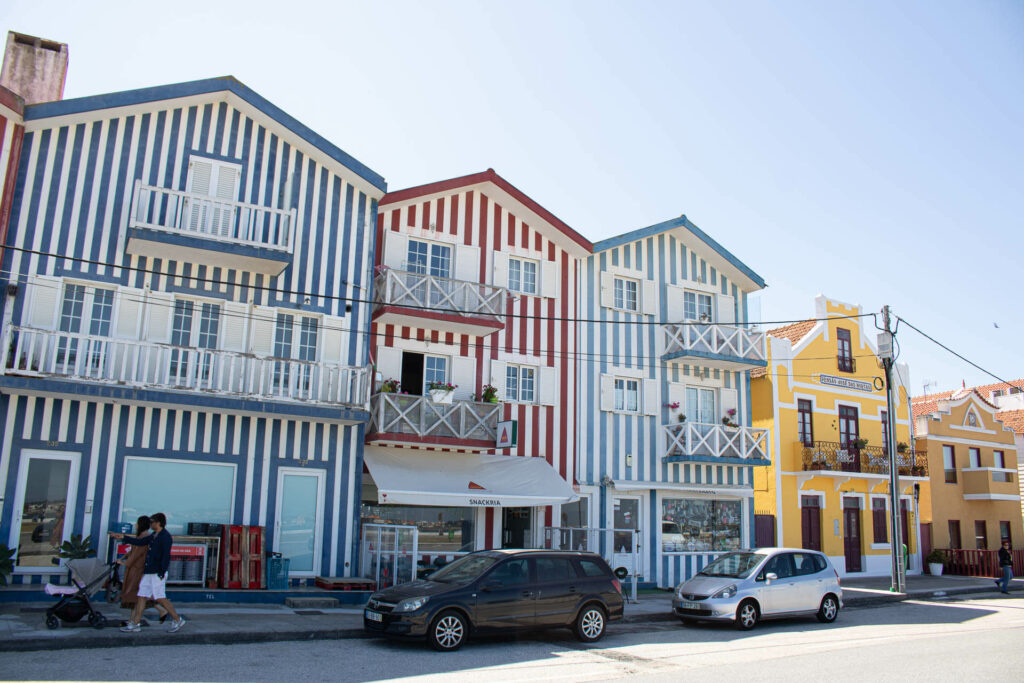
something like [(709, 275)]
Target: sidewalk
[(22, 627)]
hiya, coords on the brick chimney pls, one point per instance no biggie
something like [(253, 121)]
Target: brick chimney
[(34, 68)]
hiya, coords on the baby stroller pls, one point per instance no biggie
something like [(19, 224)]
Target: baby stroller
[(87, 577)]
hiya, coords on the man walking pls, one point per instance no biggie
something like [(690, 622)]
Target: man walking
[(154, 575), (1006, 565)]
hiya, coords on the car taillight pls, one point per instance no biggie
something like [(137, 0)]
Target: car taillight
[(618, 586)]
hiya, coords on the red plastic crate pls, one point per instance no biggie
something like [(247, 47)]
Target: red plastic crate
[(242, 557)]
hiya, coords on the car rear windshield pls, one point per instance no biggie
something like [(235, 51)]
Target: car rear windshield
[(591, 568), (733, 565), (464, 569)]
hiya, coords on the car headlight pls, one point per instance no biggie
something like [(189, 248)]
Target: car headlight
[(411, 604), (727, 592)]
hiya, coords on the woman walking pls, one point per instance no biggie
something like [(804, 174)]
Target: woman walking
[(133, 563)]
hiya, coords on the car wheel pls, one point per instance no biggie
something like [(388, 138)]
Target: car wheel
[(590, 624), (747, 615), (447, 631), (52, 622), (829, 609)]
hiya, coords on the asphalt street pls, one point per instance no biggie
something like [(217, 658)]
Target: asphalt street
[(907, 641)]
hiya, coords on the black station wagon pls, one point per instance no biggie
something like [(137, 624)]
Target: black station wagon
[(500, 590)]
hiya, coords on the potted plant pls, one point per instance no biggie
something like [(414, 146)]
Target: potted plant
[(859, 443), (728, 420), (390, 386), (488, 395), (6, 564), (936, 561), (901, 447), (682, 417), (441, 392), (76, 548)]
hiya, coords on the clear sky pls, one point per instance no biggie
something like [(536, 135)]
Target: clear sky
[(871, 151)]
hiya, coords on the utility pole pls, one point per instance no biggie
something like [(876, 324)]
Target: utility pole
[(885, 352)]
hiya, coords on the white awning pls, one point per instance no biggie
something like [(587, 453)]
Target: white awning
[(465, 480), (726, 490)]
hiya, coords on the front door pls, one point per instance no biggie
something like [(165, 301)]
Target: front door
[(515, 527), (44, 507), (810, 522), (849, 431), (298, 530), (851, 534), (626, 520)]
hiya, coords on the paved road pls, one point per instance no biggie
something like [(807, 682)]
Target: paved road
[(952, 640)]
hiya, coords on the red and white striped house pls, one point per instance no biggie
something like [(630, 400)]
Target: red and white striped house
[(476, 286)]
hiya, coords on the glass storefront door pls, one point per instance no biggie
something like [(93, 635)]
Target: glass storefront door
[(297, 531), (626, 518), (44, 504)]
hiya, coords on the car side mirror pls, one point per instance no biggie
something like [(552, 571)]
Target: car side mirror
[(492, 585), (771, 576)]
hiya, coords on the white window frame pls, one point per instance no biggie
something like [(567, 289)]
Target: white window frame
[(520, 371), (430, 256), (697, 298), (625, 382), (518, 285), (297, 317), (616, 280)]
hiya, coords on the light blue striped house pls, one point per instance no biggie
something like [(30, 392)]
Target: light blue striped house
[(185, 326), (666, 447)]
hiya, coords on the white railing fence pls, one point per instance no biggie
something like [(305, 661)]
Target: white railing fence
[(160, 208), (392, 413), (119, 361), (414, 290), (726, 340), (716, 440)]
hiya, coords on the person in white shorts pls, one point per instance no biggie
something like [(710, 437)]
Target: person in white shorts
[(153, 584)]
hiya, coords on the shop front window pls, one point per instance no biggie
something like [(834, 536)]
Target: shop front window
[(699, 525), (441, 529), (184, 491)]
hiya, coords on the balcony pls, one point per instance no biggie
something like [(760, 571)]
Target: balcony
[(989, 484), (406, 419), (694, 441), (180, 226), (825, 456), (419, 300), (846, 364), (85, 358), (728, 347)]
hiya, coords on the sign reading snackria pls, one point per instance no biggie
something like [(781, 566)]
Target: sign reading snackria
[(508, 434)]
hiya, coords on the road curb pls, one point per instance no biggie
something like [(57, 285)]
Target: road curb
[(100, 639)]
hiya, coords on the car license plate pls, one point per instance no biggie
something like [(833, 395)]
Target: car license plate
[(374, 616), (689, 605)]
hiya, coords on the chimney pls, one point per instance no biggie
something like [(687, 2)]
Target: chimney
[(34, 68)]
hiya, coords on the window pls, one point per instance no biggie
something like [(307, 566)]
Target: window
[(591, 568), (1015, 390), (441, 529), (998, 459), (702, 524), (522, 276), (700, 406), (435, 369), (804, 423), (849, 426), (1004, 532), (184, 491), (997, 393), (76, 301), (217, 179), (188, 330), (949, 464), (845, 351), (306, 350), (954, 534), (520, 383), (554, 569), (697, 306), (980, 535), (880, 520), (974, 455), (884, 416), (627, 395), (805, 564), (972, 419), (574, 533), (511, 573), (429, 258), (626, 296)]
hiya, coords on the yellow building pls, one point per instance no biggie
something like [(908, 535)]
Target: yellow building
[(822, 397), (972, 457)]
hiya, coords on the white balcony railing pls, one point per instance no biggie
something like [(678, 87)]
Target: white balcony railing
[(725, 340), (392, 413), (442, 294), (199, 215), (83, 357), (716, 440)]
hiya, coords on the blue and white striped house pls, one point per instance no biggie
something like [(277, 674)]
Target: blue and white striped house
[(666, 446), (185, 327)]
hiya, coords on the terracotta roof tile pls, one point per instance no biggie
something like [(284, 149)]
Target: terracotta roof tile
[(923, 405), (1014, 419), (794, 332)]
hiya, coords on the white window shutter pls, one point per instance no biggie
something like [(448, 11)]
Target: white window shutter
[(500, 261), (396, 250), (548, 386), (498, 377), (227, 182), (607, 289), (467, 263), (129, 309), (607, 392), (649, 297), (200, 177), (159, 312), (332, 346), (464, 376), (677, 394), (549, 280), (44, 296), (726, 309), (263, 324), (728, 400), (650, 397), (233, 324), (674, 306), (389, 363)]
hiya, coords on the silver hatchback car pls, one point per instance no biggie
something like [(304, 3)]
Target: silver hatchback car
[(745, 586)]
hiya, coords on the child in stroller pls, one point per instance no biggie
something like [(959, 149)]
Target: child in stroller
[(87, 577)]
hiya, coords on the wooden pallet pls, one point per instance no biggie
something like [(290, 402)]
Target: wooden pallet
[(344, 583)]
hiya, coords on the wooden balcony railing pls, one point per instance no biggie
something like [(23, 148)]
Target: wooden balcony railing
[(715, 440), (89, 358), (832, 455), (160, 208), (441, 294), (966, 562), (725, 340), (392, 413)]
